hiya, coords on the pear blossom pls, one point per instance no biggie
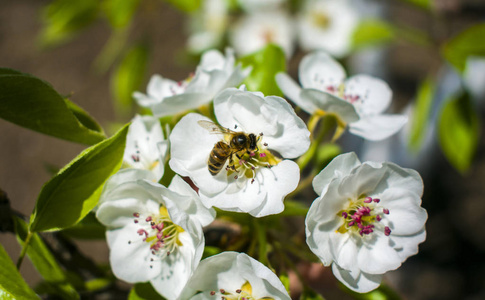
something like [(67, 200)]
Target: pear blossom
[(253, 180), (358, 101), (208, 25), (214, 73), (254, 31), (367, 219), (146, 147), (327, 25), (257, 5), (154, 233), (474, 77), (231, 276)]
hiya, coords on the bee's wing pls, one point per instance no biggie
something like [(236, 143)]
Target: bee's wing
[(214, 128)]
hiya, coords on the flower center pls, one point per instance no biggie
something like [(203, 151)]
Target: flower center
[(246, 162), (363, 216), (321, 19), (244, 293), (159, 232), (138, 160)]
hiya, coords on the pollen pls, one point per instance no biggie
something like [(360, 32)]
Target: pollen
[(363, 217), (159, 232)]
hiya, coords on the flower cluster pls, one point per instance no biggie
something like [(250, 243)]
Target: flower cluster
[(239, 158), (317, 24)]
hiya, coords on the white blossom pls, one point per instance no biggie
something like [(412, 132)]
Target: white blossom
[(254, 31), (207, 27), (474, 77), (250, 180), (358, 101), (214, 73), (146, 147), (232, 276), (154, 233), (367, 219), (252, 6), (327, 25)]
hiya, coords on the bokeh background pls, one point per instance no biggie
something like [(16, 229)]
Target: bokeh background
[(450, 263)]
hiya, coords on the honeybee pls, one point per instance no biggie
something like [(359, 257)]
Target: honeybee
[(234, 143)]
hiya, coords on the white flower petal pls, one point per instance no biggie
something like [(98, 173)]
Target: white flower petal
[(374, 94), (180, 103), (329, 103), (339, 167), (241, 111), (177, 268), (292, 90), (336, 35), (189, 202), (261, 198), (230, 271), (292, 138), (361, 282), (401, 177), (407, 246), (320, 71), (378, 258), (378, 127), (130, 257), (190, 149)]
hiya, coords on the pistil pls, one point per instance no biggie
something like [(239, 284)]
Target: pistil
[(363, 216)]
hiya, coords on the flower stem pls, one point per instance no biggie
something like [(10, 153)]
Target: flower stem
[(327, 124), (24, 249), (261, 234)]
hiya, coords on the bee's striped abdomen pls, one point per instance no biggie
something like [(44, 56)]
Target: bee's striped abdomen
[(218, 157)]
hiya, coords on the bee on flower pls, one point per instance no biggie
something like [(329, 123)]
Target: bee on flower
[(240, 164)]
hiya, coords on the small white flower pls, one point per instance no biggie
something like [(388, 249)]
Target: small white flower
[(251, 179), (253, 32), (232, 276), (146, 147), (207, 27), (258, 5), (358, 101), (327, 25), (214, 73), (474, 76), (154, 233), (367, 219)]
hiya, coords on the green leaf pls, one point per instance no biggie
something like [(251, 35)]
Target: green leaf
[(70, 195), (310, 295), (421, 114), (426, 4), (372, 32), (128, 77), (12, 285), (294, 208), (32, 103), (120, 12), (45, 262), (88, 229), (185, 5), (144, 291), (64, 18), (459, 130), (83, 117), (266, 63), (286, 282), (468, 43)]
